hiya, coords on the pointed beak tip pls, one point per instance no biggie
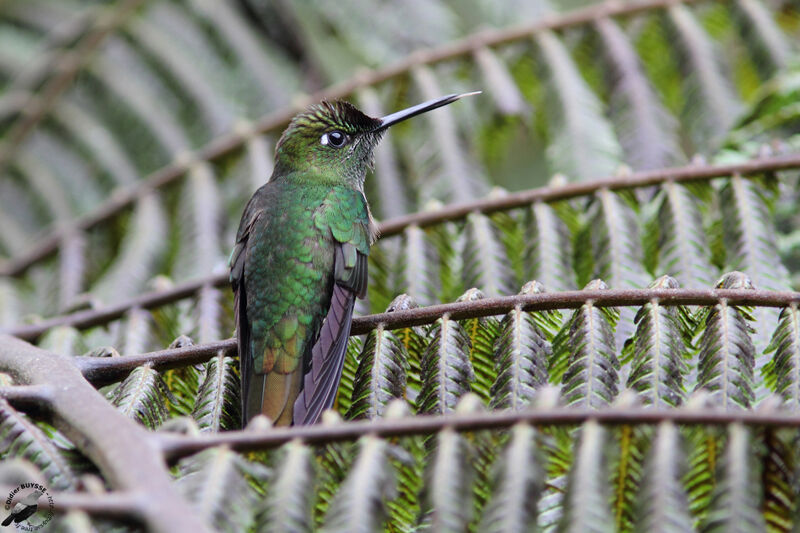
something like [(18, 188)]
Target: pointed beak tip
[(424, 107)]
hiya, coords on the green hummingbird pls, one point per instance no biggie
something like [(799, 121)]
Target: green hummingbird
[(300, 260)]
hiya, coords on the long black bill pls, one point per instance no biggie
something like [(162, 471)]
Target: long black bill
[(424, 107)]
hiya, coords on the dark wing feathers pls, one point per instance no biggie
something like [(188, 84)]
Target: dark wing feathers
[(327, 357), (321, 381)]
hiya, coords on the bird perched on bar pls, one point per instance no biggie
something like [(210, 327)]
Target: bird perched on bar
[(300, 260)]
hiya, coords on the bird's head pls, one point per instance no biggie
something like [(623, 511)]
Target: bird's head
[(333, 142)]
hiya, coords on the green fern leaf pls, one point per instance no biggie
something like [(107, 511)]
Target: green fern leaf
[(662, 504), (582, 143), (482, 333), (381, 374), (448, 492), (290, 495), (522, 353), (518, 481), (727, 355), (485, 262), (781, 373), (584, 356), (217, 407), (20, 437), (446, 370), (586, 508), (736, 503), (215, 481), (359, 506), (142, 396), (548, 248), (676, 237), (658, 350)]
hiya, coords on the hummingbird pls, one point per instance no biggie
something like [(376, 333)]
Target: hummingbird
[(300, 260)]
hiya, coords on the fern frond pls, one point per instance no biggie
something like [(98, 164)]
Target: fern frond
[(662, 504), (217, 407), (482, 333), (215, 481), (646, 130), (446, 370), (290, 496), (727, 354), (142, 396), (518, 481), (584, 356), (678, 240), (486, 265), (736, 503), (582, 144), (360, 504), (20, 437), (381, 374), (448, 492), (522, 353), (782, 373), (418, 267), (711, 105), (548, 256), (586, 506), (658, 350)]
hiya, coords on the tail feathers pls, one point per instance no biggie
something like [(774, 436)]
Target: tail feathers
[(327, 358)]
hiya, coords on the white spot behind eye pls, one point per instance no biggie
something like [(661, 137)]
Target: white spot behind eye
[(324, 139)]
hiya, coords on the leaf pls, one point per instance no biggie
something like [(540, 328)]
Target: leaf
[(486, 265), (750, 239), (142, 396), (727, 355), (446, 370), (647, 132), (677, 238), (778, 462), (290, 495), (617, 251), (782, 373), (736, 503), (482, 332), (460, 173), (582, 144), (522, 353), (214, 480), (770, 49), (518, 481), (344, 395), (711, 105), (418, 273), (662, 505), (381, 374), (359, 506), (198, 222), (506, 95), (584, 356), (20, 437), (448, 492), (414, 342), (548, 248), (586, 499), (217, 407), (140, 250), (662, 337)]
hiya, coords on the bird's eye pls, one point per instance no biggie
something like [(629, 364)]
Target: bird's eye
[(335, 138)]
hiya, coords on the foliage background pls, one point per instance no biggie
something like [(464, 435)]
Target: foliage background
[(133, 132)]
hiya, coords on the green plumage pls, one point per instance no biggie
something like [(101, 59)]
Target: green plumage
[(300, 260)]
